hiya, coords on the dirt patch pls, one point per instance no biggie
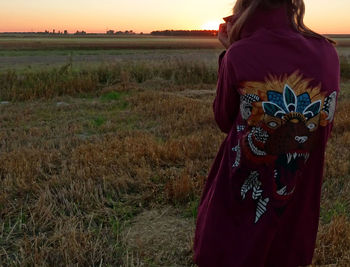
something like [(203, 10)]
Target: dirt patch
[(199, 94), (58, 57), (159, 238)]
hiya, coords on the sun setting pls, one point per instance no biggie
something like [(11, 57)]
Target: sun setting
[(147, 16), (211, 25)]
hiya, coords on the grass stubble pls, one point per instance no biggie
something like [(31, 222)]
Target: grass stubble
[(106, 166), (26, 43)]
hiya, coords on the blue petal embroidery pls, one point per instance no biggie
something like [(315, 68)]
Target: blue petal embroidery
[(277, 98), (290, 99), (312, 110), (303, 101), (273, 110)]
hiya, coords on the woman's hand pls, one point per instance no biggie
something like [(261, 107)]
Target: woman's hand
[(224, 29)]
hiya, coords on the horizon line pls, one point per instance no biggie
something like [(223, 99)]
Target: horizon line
[(121, 32)]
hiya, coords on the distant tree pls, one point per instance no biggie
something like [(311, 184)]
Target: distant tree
[(110, 32), (65, 32), (80, 33), (199, 33), (129, 32)]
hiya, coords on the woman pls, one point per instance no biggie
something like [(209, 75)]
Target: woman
[(276, 97)]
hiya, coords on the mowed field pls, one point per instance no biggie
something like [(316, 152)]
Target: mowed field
[(105, 147), (139, 42)]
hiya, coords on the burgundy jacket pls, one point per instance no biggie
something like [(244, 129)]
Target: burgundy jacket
[(276, 97)]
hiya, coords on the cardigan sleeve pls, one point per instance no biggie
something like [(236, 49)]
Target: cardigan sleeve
[(226, 102)]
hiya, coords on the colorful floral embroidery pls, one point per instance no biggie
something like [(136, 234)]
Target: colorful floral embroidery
[(282, 115)]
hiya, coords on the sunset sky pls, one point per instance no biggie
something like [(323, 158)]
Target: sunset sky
[(325, 16)]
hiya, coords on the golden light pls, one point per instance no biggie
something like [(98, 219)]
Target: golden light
[(211, 25)]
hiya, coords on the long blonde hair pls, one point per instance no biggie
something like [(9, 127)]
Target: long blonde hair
[(295, 9)]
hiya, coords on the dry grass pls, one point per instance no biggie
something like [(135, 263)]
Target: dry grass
[(343, 42), (114, 178), (74, 171), (333, 246), (154, 230), (48, 83), (120, 42), (49, 43)]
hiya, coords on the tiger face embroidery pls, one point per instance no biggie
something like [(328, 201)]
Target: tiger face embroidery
[(283, 115)]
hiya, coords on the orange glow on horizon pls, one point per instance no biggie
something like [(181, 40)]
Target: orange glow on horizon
[(146, 16), (211, 25)]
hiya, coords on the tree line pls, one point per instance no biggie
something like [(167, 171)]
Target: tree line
[(198, 33)]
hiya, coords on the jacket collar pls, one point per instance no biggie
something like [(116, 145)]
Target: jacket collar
[(276, 18)]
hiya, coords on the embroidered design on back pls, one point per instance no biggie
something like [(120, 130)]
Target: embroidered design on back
[(283, 115), (237, 149)]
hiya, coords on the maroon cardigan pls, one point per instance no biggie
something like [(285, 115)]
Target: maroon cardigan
[(276, 97)]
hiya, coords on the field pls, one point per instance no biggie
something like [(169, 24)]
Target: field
[(105, 148)]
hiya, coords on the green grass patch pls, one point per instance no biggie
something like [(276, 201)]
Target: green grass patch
[(338, 208), (110, 96), (191, 208), (99, 121), (118, 98)]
